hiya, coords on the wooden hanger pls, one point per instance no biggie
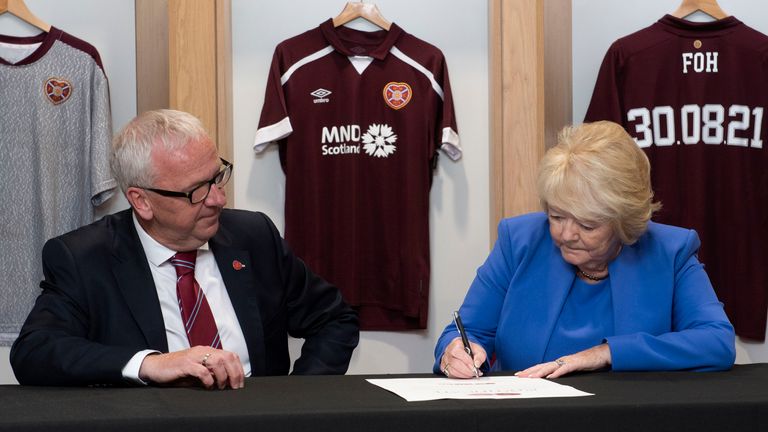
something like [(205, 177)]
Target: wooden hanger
[(20, 10), (709, 7), (367, 11)]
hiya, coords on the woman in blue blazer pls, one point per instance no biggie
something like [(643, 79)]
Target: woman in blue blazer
[(590, 283)]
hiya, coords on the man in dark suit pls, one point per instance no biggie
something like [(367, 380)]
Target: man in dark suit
[(115, 306)]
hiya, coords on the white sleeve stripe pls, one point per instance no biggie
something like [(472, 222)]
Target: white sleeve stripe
[(271, 133), (310, 58), (451, 145), (401, 55)]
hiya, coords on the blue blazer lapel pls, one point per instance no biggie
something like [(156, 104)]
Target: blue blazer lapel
[(240, 285), (636, 278), (134, 279), (538, 298)]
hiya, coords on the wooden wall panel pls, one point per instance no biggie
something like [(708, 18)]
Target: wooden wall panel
[(224, 103), (192, 59), (184, 62), (151, 55), (558, 68), (530, 96), (496, 114)]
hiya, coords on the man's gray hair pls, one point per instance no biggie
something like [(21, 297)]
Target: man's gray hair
[(131, 160)]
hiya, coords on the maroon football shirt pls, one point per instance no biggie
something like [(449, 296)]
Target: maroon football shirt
[(359, 117), (693, 96)]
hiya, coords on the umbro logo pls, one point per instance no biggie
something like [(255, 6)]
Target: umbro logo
[(321, 95)]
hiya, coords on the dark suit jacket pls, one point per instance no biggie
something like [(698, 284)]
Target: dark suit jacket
[(99, 305)]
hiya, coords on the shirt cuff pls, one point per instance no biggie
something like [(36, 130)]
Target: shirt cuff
[(131, 369)]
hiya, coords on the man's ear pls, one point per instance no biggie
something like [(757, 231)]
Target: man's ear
[(137, 197)]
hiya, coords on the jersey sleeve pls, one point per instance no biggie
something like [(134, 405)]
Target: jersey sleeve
[(102, 182), (275, 123), (606, 103), (449, 142)]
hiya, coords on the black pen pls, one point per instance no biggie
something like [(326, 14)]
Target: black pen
[(465, 340)]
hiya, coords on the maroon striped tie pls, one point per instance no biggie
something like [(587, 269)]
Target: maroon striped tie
[(195, 312)]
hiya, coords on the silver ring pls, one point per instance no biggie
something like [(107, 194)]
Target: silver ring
[(205, 359), (445, 370), (560, 362)]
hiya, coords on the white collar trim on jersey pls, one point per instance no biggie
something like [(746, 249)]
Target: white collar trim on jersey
[(360, 62)]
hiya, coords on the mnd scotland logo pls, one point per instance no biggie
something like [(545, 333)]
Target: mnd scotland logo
[(378, 141)]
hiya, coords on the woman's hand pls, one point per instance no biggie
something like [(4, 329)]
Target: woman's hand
[(597, 357), (456, 363)]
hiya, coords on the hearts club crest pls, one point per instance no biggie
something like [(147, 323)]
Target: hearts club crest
[(397, 94), (57, 90)]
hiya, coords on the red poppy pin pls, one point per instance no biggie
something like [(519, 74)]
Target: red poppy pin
[(237, 265)]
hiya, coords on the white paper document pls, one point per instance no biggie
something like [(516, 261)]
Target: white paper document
[(494, 387)]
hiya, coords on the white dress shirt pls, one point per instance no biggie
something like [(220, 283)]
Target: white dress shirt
[(209, 278)]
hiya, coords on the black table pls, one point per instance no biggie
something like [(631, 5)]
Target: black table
[(671, 401)]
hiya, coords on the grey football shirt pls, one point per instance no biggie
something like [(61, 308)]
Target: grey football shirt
[(55, 133)]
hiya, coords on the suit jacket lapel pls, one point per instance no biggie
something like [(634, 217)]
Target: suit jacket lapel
[(134, 278), (632, 272), (236, 270), (555, 285), (539, 297)]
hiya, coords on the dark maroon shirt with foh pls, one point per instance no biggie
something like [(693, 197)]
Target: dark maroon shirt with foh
[(693, 95)]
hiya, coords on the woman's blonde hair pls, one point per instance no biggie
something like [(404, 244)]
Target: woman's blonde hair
[(598, 174)]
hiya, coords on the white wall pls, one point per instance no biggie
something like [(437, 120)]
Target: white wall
[(597, 23), (108, 25), (459, 197)]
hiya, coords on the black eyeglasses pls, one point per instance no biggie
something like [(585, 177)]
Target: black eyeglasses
[(201, 191)]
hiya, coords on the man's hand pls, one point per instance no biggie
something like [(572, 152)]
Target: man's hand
[(597, 357), (209, 367)]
